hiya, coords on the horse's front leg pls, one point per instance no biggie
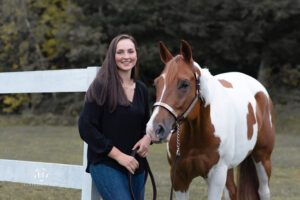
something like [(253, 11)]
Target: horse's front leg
[(181, 185), (182, 195), (216, 180)]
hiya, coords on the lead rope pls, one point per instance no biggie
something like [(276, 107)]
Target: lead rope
[(147, 171), (176, 159)]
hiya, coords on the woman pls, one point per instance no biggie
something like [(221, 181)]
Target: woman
[(113, 123)]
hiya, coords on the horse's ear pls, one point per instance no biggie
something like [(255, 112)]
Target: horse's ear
[(186, 51), (164, 53)]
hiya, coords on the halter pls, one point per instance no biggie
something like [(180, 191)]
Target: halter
[(178, 121)]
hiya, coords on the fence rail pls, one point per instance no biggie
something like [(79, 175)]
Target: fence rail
[(41, 173)]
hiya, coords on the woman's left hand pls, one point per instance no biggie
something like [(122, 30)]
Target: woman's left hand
[(143, 145)]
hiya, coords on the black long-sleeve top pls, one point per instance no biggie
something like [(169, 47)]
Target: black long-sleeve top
[(123, 128)]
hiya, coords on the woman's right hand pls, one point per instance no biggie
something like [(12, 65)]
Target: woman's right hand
[(129, 162)]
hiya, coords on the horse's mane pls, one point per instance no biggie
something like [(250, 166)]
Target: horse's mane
[(207, 85)]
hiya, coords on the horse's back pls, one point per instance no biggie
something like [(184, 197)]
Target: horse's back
[(242, 82)]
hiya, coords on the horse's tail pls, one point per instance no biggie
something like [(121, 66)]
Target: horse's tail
[(247, 181)]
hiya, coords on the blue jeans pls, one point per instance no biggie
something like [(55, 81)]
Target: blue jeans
[(113, 184)]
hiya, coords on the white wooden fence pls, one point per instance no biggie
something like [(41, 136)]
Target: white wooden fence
[(50, 174)]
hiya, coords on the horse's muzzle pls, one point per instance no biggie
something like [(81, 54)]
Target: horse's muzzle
[(160, 131)]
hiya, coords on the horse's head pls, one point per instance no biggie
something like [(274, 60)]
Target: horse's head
[(175, 91)]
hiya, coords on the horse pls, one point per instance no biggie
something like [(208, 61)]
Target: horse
[(222, 122)]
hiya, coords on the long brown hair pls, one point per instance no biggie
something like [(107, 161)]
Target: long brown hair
[(107, 86)]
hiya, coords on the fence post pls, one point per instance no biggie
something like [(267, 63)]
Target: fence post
[(89, 190)]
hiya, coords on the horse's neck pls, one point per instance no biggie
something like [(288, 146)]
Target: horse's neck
[(199, 123), (208, 86)]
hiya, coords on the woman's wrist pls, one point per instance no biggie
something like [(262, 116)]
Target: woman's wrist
[(148, 136), (115, 154)]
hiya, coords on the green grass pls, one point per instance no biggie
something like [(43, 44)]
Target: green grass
[(63, 145), (39, 143)]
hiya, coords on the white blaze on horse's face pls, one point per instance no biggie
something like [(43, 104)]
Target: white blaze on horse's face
[(150, 125), (176, 87), (164, 88)]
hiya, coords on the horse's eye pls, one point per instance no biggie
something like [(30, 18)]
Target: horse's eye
[(183, 84)]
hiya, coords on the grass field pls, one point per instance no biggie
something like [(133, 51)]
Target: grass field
[(63, 145)]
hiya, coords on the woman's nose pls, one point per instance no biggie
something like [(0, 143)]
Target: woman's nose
[(126, 55)]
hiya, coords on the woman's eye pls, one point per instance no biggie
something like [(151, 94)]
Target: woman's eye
[(183, 84), (130, 51)]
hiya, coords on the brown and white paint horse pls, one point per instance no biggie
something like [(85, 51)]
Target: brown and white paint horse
[(230, 124)]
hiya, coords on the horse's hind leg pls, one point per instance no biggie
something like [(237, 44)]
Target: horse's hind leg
[(262, 161), (230, 190), (265, 142), (263, 170)]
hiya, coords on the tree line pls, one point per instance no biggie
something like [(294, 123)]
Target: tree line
[(260, 38)]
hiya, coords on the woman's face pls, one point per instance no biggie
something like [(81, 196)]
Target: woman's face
[(126, 55)]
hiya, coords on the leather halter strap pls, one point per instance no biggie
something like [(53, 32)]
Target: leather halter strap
[(166, 106), (179, 118)]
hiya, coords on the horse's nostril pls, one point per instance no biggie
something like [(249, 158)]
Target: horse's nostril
[(160, 130)]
